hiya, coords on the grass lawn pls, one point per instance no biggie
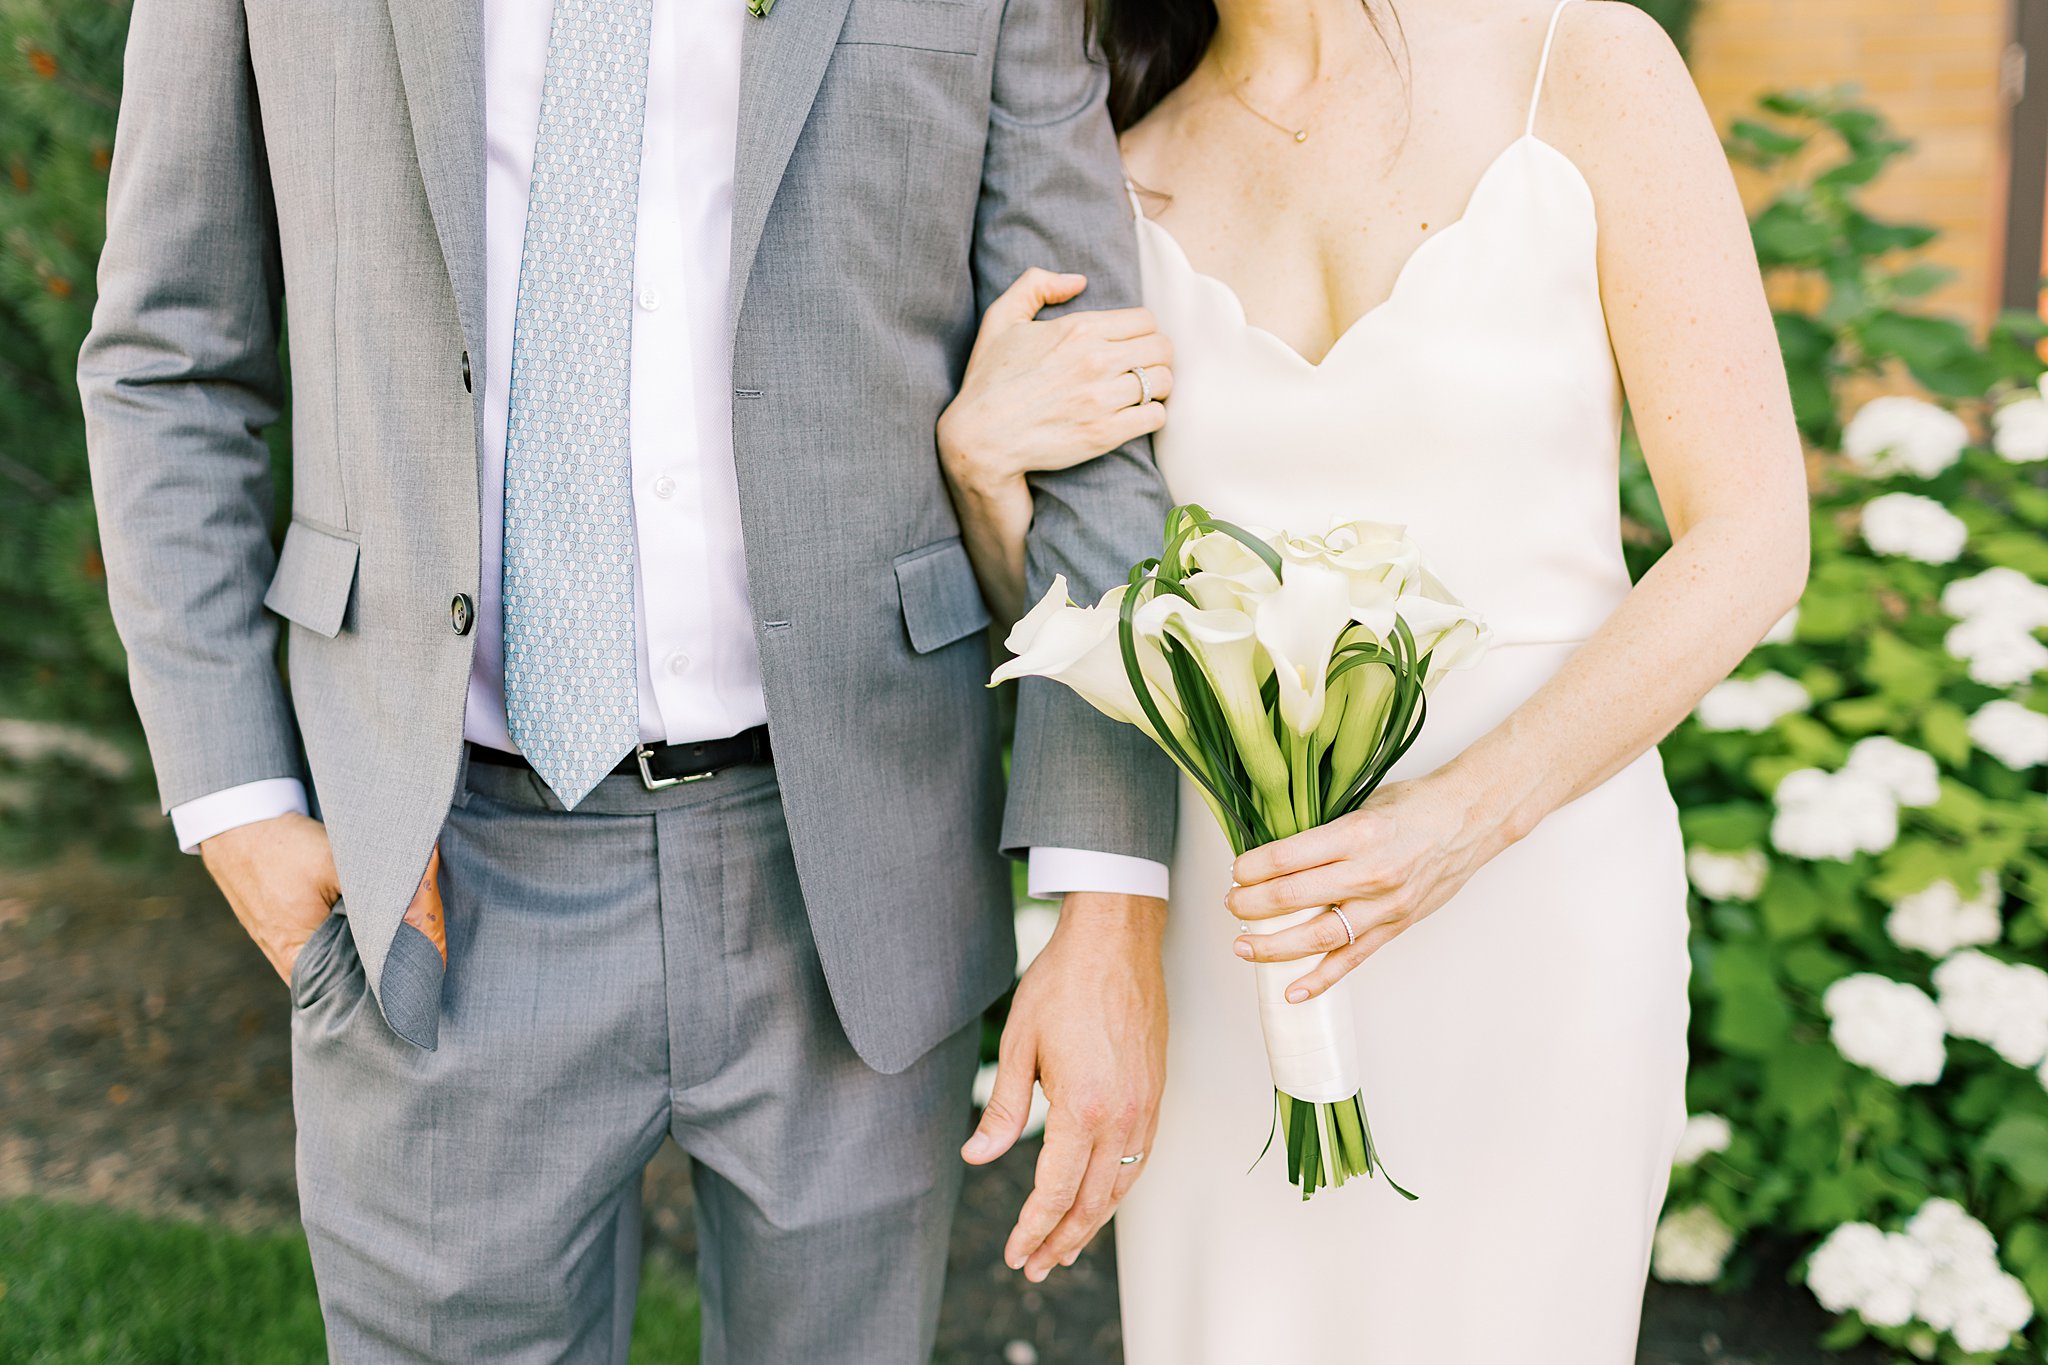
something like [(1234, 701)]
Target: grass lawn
[(85, 1286)]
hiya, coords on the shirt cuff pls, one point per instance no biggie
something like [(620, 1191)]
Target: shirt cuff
[(1052, 872), (217, 813)]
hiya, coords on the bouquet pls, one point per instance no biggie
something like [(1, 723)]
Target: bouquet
[(1285, 675)]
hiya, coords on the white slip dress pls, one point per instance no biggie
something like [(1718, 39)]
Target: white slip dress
[(1523, 1049)]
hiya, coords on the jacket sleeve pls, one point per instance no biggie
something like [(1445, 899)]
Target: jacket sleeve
[(179, 376), (1052, 195)]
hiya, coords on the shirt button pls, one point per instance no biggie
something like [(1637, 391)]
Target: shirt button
[(664, 487), (461, 613), (649, 299), (678, 663)]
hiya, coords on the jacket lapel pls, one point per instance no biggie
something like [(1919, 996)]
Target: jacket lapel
[(782, 61), (441, 60)]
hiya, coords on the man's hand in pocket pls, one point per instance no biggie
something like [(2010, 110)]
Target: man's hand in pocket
[(278, 875)]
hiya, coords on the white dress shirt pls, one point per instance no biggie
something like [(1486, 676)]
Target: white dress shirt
[(700, 674)]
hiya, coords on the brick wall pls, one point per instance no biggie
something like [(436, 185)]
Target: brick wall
[(1931, 65)]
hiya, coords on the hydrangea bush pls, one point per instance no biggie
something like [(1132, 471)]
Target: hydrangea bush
[(1864, 810)]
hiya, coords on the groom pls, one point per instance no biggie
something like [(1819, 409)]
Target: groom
[(635, 660)]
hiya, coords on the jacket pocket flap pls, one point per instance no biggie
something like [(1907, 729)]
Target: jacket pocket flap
[(941, 600), (316, 570), (932, 25)]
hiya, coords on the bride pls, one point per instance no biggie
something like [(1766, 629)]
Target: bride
[(1407, 257)]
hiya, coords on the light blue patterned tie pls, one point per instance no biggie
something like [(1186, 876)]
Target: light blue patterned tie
[(571, 674)]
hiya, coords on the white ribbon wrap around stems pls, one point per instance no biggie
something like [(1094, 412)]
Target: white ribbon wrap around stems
[(1311, 1047)]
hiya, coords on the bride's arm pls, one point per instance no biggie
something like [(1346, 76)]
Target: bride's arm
[(1041, 395), (1700, 361)]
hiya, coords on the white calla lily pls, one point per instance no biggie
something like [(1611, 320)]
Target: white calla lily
[(1078, 647), (1224, 647), (1298, 623), (1226, 557), (1380, 559)]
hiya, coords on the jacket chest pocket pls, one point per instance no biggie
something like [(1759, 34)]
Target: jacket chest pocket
[(929, 25)]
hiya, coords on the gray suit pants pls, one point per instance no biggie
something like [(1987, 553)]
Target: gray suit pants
[(640, 968)]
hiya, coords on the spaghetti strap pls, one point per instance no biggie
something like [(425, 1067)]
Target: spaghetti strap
[(1543, 66), (1131, 193)]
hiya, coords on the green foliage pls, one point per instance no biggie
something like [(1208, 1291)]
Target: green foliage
[(86, 1286), (60, 662), (1819, 1140), (1862, 266)]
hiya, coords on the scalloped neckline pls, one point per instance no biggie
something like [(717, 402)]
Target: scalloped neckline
[(1401, 276)]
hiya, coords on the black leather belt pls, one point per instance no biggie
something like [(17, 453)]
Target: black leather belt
[(663, 765)]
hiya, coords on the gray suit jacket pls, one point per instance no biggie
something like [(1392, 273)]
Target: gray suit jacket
[(900, 162)]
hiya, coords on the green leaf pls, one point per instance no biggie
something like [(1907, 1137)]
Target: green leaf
[(1751, 1016), (1862, 715), (2019, 1146), (1764, 139), (1787, 234), (2015, 550), (1945, 730), (1728, 827), (1907, 675), (1791, 904), (1916, 280), (1801, 1080)]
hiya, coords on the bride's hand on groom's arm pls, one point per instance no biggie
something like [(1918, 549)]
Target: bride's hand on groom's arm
[(1040, 394), (1388, 865), (1088, 1023)]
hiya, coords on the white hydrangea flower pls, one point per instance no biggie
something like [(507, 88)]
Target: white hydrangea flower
[(2019, 430), (1785, 631), (1997, 1310), (2006, 594), (1722, 876), (1887, 1026), (1691, 1246), (2015, 735), (1832, 815), (1936, 920), (2003, 1005), (1703, 1133), (1899, 434), (1999, 652), (985, 1089), (1751, 704), (1865, 1270), (1916, 527), (1911, 775), (1948, 1230), (1035, 921)]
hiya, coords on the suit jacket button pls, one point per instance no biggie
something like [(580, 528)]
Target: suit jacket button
[(465, 374), (461, 613)]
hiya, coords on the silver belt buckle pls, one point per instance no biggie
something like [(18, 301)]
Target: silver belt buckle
[(655, 784)]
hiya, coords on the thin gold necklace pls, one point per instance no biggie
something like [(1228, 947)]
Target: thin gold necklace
[(1298, 134)]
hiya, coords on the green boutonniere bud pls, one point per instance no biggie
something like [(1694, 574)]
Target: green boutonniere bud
[(759, 8)]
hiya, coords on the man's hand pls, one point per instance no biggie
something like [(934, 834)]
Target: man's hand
[(1089, 1025), (279, 877)]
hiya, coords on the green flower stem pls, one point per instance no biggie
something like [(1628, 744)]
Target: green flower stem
[(1328, 1144)]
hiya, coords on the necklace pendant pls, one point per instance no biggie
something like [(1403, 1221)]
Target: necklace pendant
[(1301, 135)]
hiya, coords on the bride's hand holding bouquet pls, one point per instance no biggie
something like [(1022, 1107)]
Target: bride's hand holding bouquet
[(1286, 675)]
